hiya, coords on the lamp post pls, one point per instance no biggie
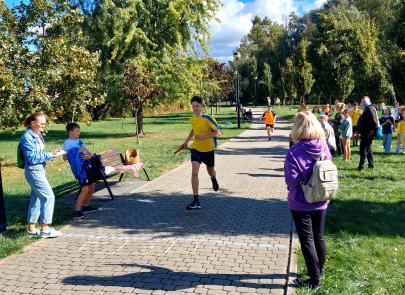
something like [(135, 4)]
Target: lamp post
[(236, 56), (3, 221)]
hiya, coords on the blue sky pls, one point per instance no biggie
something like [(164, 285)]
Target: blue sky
[(236, 15)]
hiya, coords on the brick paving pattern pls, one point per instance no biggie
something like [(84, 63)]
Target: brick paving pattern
[(145, 242)]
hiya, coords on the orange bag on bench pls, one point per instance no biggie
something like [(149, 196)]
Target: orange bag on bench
[(132, 157)]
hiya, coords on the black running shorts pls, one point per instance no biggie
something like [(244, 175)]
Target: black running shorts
[(203, 157)]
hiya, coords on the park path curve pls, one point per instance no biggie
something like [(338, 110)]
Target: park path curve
[(145, 242)]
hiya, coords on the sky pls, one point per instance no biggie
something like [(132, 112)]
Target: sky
[(235, 20)]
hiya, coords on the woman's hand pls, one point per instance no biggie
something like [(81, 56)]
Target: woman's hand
[(54, 153), (86, 156)]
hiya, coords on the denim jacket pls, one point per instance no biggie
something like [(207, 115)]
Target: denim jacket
[(31, 148)]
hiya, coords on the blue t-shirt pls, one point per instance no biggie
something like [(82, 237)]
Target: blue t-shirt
[(387, 128), (73, 143)]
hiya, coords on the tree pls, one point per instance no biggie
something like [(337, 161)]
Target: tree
[(125, 30), (267, 80), (304, 76), (138, 88), (288, 82)]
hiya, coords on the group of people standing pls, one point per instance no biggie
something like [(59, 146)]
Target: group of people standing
[(361, 122)]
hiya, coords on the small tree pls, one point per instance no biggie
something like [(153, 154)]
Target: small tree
[(138, 88)]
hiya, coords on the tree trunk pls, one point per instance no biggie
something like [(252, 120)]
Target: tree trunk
[(216, 107), (139, 121)]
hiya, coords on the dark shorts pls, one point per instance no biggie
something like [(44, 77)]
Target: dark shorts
[(203, 157), (354, 129), (270, 125), (90, 177)]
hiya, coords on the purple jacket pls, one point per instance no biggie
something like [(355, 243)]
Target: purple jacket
[(299, 162)]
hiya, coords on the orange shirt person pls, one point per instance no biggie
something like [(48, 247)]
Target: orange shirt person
[(270, 120)]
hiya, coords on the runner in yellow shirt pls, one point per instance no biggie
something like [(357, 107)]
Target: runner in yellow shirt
[(401, 133), (204, 130), (355, 115), (269, 119)]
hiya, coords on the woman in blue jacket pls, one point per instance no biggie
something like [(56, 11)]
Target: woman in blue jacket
[(42, 199)]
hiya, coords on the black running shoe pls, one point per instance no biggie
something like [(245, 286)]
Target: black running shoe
[(78, 215), (87, 209), (195, 204), (215, 185)]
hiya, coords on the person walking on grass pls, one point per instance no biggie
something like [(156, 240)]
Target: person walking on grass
[(204, 131), (346, 128), (367, 126), (80, 162), (309, 218), (42, 200), (270, 120), (387, 123)]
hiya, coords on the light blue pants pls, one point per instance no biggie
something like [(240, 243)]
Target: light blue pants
[(42, 200), (387, 140)]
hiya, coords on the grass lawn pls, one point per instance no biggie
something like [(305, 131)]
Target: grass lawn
[(164, 133), (365, 229)]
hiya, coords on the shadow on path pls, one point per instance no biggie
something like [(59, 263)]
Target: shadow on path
[(159, 278)]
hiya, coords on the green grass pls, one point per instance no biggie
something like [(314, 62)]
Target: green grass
[(365, 229), (164, 133)]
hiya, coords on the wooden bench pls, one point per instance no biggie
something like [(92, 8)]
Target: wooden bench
[(115, 159)]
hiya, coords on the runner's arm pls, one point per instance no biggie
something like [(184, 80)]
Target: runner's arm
[(214, 133), (189, 137)]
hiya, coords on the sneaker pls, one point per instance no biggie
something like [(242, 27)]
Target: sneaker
[(195, 204), (307, 284), (269, 138), (34, 233), (87, 209), (215, 185), (78, 215), (50, 233), (360, 168)]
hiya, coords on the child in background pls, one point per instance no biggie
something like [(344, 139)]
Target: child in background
[(80, 166), (401, 133), (270, 120), (387, 123), (355, 114), (346, 128), (329, 133)]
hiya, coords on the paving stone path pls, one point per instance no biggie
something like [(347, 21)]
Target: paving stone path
[(145, 242)]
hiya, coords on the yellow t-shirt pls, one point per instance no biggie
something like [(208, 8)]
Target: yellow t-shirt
[(355, 115), (401, 130), (203, 125)]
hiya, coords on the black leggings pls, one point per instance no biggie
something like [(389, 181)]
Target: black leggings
[(309, 226)]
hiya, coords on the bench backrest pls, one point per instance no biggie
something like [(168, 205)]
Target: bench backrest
[(112, 158)]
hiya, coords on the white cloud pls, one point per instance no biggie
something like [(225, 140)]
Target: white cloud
[(235, 21)]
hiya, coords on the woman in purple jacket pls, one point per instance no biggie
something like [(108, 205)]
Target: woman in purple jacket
[(309, 219)]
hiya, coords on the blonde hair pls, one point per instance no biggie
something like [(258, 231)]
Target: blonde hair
[(306, 126)]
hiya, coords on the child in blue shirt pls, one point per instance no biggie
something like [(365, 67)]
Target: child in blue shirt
[(79, 159), (346, 127), (387, 123)]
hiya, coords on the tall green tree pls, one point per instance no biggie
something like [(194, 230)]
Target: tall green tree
[(304, 77)]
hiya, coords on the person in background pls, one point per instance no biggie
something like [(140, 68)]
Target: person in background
[(316, 112), (42, 200), (336, 120), (387, 123), (329, 134), (355, 114), (395, 114), (347, 133), (367, 126), (270, 120), (309, 218), (401, 132)]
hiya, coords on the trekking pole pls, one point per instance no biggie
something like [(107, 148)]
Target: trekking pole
[(3, 221)]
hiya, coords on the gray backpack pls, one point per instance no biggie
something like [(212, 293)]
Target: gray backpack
[(323, 183)]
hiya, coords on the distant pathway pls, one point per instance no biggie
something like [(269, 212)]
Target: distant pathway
[(145, 242)]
